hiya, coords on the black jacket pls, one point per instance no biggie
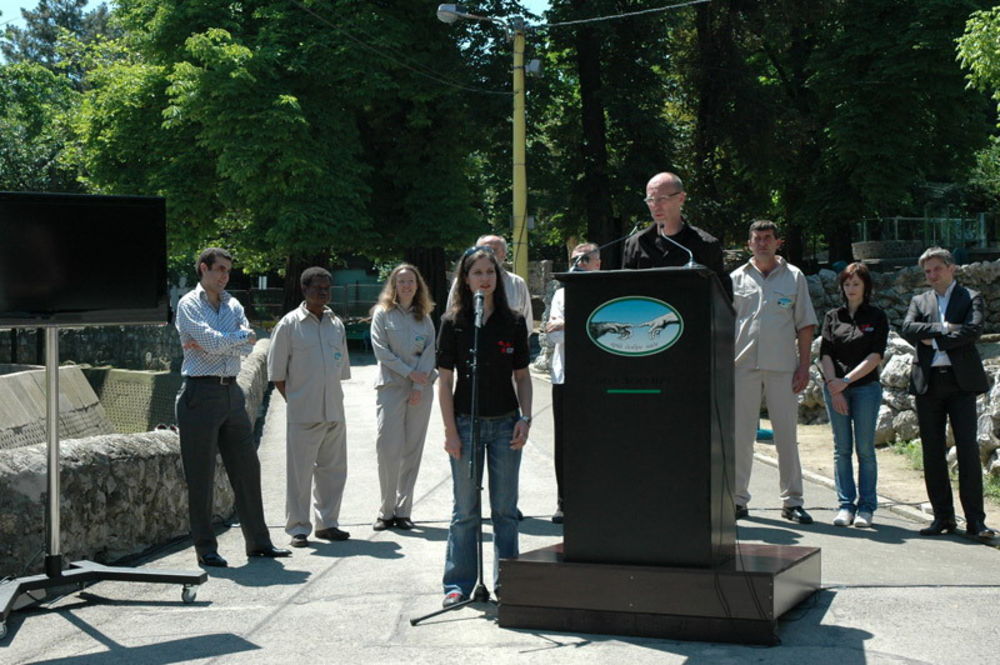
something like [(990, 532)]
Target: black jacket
[(648, 250), (922, 321)]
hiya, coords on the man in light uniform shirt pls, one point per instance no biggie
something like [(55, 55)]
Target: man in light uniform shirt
[(307, 361), (775, 322)]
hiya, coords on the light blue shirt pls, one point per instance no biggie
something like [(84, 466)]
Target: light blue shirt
[(223, 334), (941, 358)]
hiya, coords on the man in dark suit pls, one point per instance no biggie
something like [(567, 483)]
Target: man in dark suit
[(944, 324)]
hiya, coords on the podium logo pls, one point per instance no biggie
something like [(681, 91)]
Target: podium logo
[(635, 326)]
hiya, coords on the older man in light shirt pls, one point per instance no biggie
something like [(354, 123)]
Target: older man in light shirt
[(515, 288), (307, 361)]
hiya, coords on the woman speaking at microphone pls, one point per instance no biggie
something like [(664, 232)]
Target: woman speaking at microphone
[(504, 415)]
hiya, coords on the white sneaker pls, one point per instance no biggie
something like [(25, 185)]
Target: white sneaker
[(844, 517), (863, 520)]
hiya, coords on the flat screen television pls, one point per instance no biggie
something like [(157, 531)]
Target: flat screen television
[(75, 259)]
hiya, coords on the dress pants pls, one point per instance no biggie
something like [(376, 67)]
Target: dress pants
[(399, 443), (212, 418), (783, 410), (558, 391), (944, 400), (316, 460)]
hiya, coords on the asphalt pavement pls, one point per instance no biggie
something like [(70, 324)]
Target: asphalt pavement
[(889, 596)]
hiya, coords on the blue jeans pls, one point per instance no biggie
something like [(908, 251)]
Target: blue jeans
[(856, 431), (494, 437)]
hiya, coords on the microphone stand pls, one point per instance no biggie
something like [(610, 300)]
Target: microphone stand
[(480, 594), (691, 262)]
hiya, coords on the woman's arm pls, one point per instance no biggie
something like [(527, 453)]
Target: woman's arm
[(452, 442), (522, 384)]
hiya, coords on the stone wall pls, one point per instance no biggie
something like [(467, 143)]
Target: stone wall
[(120, 492), (152, 347)]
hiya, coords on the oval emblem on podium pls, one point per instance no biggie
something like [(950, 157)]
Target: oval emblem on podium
[(635, 326)]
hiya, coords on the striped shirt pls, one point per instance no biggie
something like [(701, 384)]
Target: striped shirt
[(222, 334)]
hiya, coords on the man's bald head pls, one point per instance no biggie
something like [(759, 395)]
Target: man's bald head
[(496, 243), (666, 178)]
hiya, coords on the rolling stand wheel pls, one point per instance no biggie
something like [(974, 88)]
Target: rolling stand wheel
[(189, 594)]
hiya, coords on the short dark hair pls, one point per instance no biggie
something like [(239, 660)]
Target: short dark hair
[(762, 225), (309, 274), (209, 256), (859, 270)]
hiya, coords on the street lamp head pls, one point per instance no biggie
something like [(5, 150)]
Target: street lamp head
[(450, 13)]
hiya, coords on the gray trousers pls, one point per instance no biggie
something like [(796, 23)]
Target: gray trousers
[(783, 410), (212, 418), (316, 460), (399, 443)]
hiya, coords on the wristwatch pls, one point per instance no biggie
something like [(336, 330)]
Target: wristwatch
[(526, 419)]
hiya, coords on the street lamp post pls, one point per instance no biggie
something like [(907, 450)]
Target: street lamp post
[(515, 31)]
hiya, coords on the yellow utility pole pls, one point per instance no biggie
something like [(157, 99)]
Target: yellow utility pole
[(519, 246)]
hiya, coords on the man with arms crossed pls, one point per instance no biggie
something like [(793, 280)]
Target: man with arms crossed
[(944, 324), (775, 322), (307, 361), (211, 411)]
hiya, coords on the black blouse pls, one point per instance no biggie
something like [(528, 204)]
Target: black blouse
[(503, 348), (849, 340)]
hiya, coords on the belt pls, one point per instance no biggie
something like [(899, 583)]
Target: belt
[(219, 380), (942, 369)]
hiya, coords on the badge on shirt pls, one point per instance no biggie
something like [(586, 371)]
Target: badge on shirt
[(785, 303), (866, 328), (338, 355), (420, 338), (505, 347)]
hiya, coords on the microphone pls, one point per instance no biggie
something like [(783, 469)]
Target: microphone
[(691, 262), (478, 302), (575, 266)]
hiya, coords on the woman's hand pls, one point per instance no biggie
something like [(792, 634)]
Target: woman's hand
[(415, 396), (520, 435), (453, 444), (836, 386), (839, 402), (418, 377)]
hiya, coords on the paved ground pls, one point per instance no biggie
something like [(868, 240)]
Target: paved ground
[(889, 596)]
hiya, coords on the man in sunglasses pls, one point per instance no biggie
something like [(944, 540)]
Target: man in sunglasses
[(669, 238), (586, 257)]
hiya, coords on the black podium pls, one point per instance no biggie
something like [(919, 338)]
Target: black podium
[(650, 536)]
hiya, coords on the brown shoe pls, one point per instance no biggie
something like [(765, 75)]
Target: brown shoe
[(381, 524)]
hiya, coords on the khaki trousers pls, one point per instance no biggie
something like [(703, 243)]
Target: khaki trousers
[(399, 443), (316, 461), (783, 411)]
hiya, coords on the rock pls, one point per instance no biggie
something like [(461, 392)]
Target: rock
[(896, 373), (993, 465), (952, 458), (899, 400), (884, 431), (986, 437), (905, 425)]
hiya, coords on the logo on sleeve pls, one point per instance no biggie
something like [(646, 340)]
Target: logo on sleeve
[(506, 347)]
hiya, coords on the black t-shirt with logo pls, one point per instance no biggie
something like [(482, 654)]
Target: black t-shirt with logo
[(503, 348), (849, 340)]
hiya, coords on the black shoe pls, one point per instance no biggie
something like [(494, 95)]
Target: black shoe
[(980, 530), (299, 540), (213, 560), (797, 514), (404, 523), (381, 524), (520, 515), (742, 512), (453, 598), (557, 517), (333, 533), (938, 526), (269, 552)]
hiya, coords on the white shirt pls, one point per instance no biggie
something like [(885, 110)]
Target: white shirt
[(941, 358), (557, 312), (221, 333), (769, 313), (309, 353)]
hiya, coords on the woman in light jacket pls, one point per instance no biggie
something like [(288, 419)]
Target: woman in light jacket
[(403, 341)]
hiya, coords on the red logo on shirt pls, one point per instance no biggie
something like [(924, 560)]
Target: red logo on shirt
[(867, 328), (505, 347)]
